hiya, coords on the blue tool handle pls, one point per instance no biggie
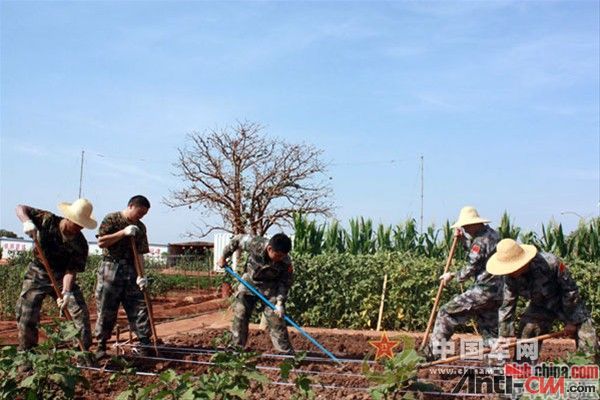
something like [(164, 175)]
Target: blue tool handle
[(287, 319)]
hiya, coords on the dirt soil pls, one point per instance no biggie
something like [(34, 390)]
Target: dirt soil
[(340, 382), (191, 320), (175, 305)]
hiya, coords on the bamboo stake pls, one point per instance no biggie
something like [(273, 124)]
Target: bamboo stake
[(382, 301), (489, 350), (140, 272), (58, 293), (439, 294)]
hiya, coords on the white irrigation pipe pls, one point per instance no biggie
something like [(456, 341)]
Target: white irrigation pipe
[(271, 382), (314, 385), (191, 350), (259, 367)]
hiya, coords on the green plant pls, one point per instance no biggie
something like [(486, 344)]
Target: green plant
[(507, 229), (398, 376), (302, 381), (231, 377), (308, 236), (135, 390), (333, 238), (9, 376), (51, 371), (384, 238), (359, 240)]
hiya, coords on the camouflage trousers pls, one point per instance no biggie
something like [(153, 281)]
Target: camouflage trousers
[(478, 303), (116, 285), (538, 320), (243, 307), (36, 286)]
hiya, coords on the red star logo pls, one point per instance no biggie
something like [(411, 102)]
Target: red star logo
[(384, 346)]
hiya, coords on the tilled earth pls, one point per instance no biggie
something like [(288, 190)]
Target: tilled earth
[(331, 381)]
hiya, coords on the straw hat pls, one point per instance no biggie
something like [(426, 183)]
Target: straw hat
[(80, 212), (469, 216), (510, 257)]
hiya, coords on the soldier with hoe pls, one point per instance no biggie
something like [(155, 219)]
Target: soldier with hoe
[(269, 270), (118, 282), (553, 295), (480, 301), (66, 251)]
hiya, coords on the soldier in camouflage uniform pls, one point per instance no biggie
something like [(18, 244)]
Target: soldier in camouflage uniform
[(66, 250), (269, 270), (118, 282), (546, 282), (480, 301)]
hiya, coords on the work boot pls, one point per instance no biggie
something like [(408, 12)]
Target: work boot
[(145, 349), (101, 351)]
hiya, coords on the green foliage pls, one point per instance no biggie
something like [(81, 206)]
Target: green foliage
[(302, 381), (576, 358), (11, 281), (52, 372), (334, 238), (353, 302), (507, 229), (360, 238), (230, 378), (9, 234), (308, 237), (399, 374)]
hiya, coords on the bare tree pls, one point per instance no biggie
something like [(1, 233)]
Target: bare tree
[(250, 180)]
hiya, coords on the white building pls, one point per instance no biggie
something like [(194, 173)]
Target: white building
[(12, 246)]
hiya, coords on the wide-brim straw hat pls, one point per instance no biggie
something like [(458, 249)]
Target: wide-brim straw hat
[(80, 212), (510, 257), (469, 216)]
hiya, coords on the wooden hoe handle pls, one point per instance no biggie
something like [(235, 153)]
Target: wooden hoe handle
[(46, 264), (439, 294), (140, 272)]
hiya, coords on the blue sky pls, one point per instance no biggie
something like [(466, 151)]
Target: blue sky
[(501, 98)]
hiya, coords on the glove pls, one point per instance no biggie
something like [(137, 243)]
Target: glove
[(131, 230), (67, 298), (279, 309), (142, 282), (29, 229), (447, 277)]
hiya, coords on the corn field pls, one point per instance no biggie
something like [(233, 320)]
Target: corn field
[(363, 237)]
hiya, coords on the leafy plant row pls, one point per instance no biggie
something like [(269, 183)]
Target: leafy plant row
[(11, 280), (342, 290), (363, 237)]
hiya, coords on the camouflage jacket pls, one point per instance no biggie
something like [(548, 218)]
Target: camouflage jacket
[(63, 254), (547, 285), (121, 250), (273, 279), (481, 248)]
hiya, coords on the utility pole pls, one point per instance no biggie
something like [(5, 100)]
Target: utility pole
[(422, 184), (81, 174)]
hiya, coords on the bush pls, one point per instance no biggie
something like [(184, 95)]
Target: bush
[(344, 291), (11, 281)]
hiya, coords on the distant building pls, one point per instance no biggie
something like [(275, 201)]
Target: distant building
[(186, 251), (11, 246)]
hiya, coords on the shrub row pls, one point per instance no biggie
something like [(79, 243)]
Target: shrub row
[(344, 291)]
